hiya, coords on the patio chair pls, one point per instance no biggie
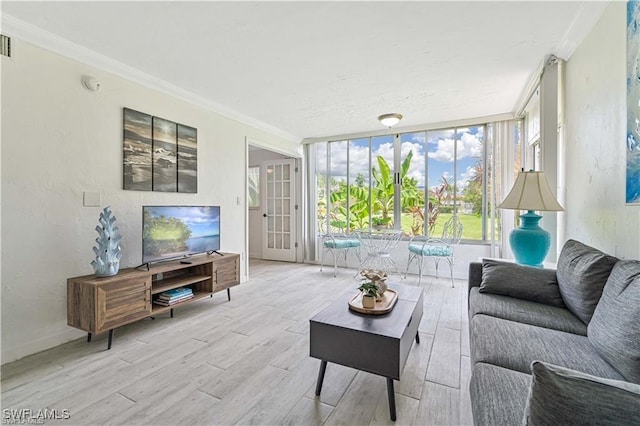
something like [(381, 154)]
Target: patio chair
[(335, 243), (421, 248)]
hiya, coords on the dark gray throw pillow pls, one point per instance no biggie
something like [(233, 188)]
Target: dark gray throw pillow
[(560, 396), (522, 282), (582, 272), (614, 329)]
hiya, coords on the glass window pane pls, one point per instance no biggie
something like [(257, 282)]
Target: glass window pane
[(338, 186), (321, 182), (413, 169), (382, 191), (470, 180), (440, 179), (253, 181), (359, 178)]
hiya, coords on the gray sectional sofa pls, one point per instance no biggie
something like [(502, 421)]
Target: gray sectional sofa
[(556, 346)]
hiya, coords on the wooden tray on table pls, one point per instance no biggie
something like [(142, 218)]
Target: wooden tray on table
[(384, 306)]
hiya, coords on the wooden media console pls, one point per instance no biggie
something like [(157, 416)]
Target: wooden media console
[(96, 305)]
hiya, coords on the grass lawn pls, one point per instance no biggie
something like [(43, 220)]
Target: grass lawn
[(471, 225)]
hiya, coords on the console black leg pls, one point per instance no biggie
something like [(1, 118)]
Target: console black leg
[(392, 399), (88, 337), (323, 368), (229, 294), (171, 312), (110, 339), (417, 338)]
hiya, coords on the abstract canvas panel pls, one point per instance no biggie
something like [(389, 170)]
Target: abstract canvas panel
[(633, 103), (165, 155), (137, 151), (187, 159)]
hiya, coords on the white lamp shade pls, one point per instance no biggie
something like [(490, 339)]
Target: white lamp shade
[(531, 191)]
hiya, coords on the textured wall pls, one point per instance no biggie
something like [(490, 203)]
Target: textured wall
[(595, 141), (59, 140)]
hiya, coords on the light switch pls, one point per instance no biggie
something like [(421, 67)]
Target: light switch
[(91, 199)]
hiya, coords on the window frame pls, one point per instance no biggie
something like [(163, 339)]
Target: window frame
[(397, 160)]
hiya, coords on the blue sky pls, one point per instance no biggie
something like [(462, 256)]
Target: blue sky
[(437, 145)]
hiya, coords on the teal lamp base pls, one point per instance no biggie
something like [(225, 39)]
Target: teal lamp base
[(530, 243)]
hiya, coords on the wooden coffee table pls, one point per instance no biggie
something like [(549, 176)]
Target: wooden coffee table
[(377, 344)]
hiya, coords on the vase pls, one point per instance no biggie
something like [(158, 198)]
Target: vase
[(108, 252), (368, 302), (382, 287)]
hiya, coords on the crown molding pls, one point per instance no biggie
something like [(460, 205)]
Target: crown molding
[(14, 27), (586, 18)]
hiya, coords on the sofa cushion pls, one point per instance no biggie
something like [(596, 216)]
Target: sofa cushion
[(614, 329), (582, 272), (498, 395), (524, 311), (561, 396), (523, 282), (515, 345)]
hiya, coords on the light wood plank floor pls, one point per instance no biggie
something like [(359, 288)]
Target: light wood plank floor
[(247, 362)]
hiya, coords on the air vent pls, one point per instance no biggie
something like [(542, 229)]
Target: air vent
[(5, 45)]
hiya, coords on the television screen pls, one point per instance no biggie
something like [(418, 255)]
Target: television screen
[(177, 231)]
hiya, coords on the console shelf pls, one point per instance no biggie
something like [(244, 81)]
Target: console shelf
[(96, 305), (158, 309), (171, 283)]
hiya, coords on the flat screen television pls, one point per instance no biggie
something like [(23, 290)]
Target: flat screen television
[(171, 232)]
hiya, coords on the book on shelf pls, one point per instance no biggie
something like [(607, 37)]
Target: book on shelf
[(177, 291), (171, 302), (174, 300), (171, 296)]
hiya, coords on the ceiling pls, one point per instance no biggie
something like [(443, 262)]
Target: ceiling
[(314, 69)]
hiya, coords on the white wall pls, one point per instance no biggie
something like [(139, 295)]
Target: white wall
[(256, 221), (59, 140), (595, 131)]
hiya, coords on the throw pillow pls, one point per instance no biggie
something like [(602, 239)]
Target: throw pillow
[(614, 329), (582, 273), (560, 396), (522, 282)]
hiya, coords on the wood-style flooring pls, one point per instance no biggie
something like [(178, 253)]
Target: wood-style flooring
[(247, 362)]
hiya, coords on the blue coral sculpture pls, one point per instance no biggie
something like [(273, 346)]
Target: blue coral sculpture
[(108, 252)]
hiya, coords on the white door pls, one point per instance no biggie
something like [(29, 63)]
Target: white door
[(278, 191)]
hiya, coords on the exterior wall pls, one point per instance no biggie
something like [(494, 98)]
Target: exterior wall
[(60, 140), (595, 96)]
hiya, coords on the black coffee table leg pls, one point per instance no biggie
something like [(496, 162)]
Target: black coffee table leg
[(417, 338), (323, 368), (392, 399)]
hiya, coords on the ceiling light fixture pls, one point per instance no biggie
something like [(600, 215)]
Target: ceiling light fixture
[(390, 120)]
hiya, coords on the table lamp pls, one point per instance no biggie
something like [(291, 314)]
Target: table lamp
[(531, 191)]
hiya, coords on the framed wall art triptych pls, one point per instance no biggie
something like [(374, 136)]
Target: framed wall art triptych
[(159, 154)]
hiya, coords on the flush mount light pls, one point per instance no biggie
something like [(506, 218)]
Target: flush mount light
[(390, 120)]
